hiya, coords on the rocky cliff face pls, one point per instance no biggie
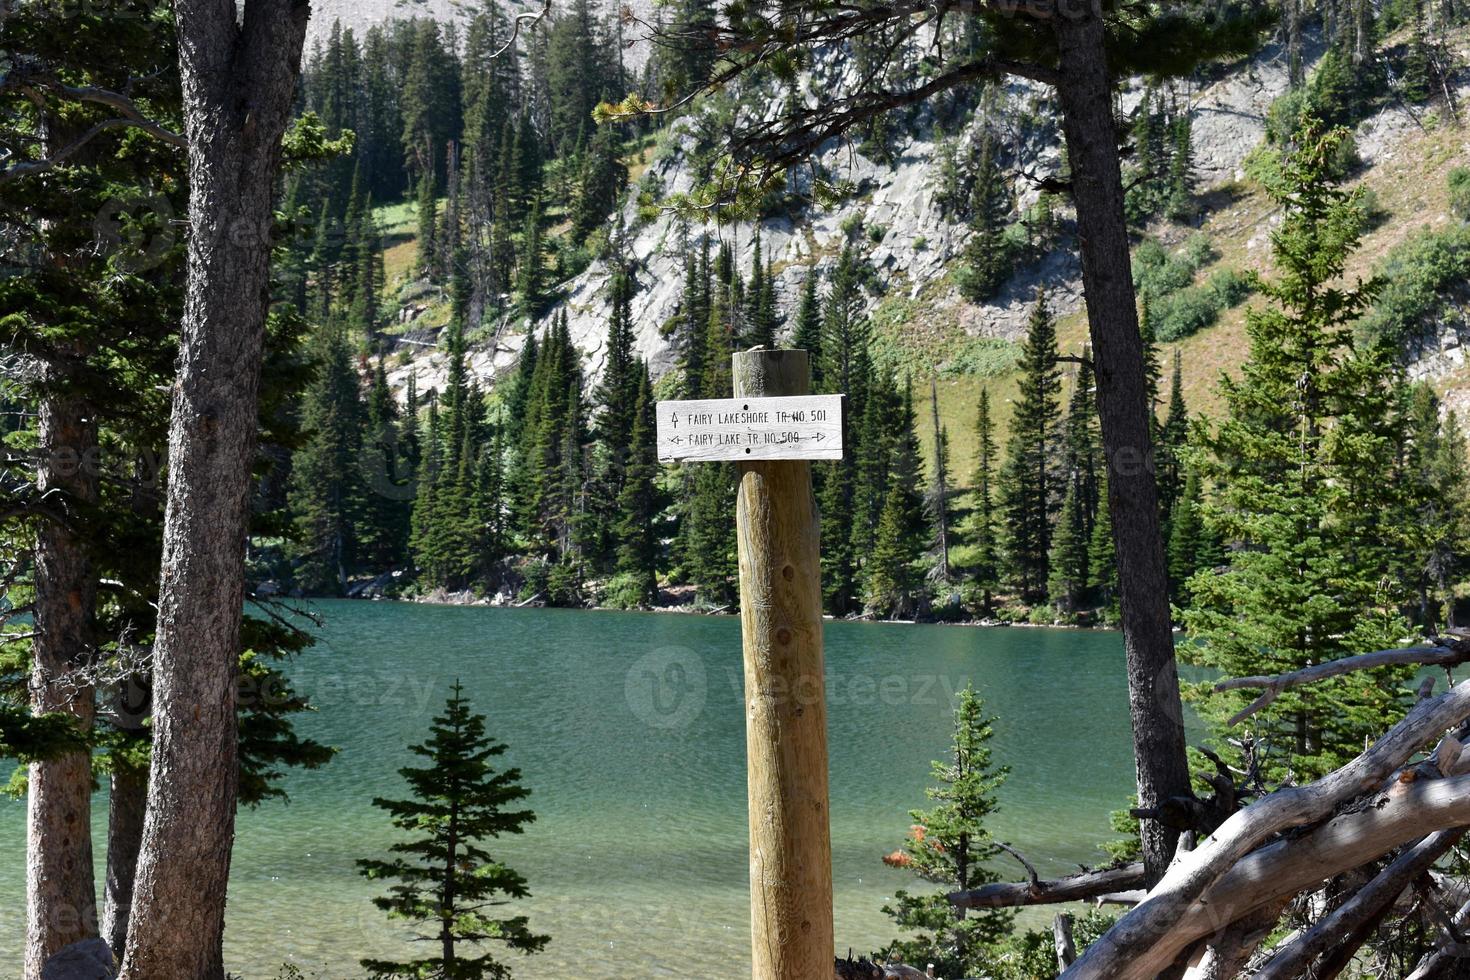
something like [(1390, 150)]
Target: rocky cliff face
[(362, 14), (907, 239)]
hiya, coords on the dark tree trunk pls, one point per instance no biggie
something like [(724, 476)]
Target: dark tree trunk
[(127, 798), (239, 80), (61, 896), (1085, 90)]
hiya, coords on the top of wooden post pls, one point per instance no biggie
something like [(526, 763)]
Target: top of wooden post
[(762, 373)]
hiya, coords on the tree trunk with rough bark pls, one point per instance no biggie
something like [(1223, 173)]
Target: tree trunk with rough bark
[(239, 80), (127, 799), (1085, 88), (61, 901)]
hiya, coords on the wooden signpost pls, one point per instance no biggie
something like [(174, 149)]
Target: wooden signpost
[(771, 429)]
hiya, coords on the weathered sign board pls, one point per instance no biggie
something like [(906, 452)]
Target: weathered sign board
[(727, 429)]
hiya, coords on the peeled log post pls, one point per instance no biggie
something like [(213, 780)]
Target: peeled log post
[(785, 706)]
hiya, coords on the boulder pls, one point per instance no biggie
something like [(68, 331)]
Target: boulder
[(90, 959)]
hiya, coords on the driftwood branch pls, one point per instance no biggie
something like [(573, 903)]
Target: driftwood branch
[(1273, 685), (1073, 888), (1226, 955), (1030, 868), (1066, 946), (1292, 865), (1450, 957), (1148, 938), (1368, 903)]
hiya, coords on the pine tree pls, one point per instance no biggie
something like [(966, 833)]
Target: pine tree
[(937, 502), (427, 209), (760, 304), (601, 183), (1069, 561), (578, 75), (1186, 539), (490, 509), (529, 265), (686, 66), (1102, 555), (1173, 437), (1434, 468), (444, 878), (1028, 481), (1082, 444), (638, 503), (616, 400), (693, 321), (709, 527), (808, 336), (326, 494), (846, 369), (1300, 460), (383, 528), (889, 580), (1179, 204), (987, 259), (951, 846), (984, 536), (429, 102)]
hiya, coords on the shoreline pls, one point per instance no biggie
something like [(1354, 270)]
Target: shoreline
[(441, 597)]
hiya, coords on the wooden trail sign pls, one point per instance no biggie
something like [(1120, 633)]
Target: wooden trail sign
[(777, 537), (736, 429)]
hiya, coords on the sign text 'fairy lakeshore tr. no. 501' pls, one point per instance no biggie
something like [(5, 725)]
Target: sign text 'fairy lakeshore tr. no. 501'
[(731, 429)]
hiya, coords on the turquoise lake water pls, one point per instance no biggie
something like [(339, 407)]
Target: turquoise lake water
[(629, 730)]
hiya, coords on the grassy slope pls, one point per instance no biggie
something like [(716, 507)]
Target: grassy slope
[(1411, 191)]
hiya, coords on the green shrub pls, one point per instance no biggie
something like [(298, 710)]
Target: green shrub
[(1188, 311), (1157, 273), (564, 585), (624, 592), (982, 357), (535, 574), (1459, 183), (1422, 279)]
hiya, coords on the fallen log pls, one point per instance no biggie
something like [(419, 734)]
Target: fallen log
[(1073, 888), (1226, 955), (1372, 900), (1149, 937), (1292, 865)]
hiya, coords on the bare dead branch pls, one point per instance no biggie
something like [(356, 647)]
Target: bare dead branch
[(1450, 954), (1066, 946), (1147, 939), (1272, 686), (38, 84), (1226, 954), (1370, 901), (1073, 888), (1030, 868), (525, 20)]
